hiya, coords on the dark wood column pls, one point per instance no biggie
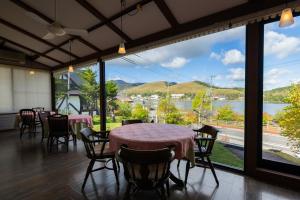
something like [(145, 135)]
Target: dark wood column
[(253, 96), (52, 91), (102, 95)]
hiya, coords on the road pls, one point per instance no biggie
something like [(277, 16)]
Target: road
[(270, 141)]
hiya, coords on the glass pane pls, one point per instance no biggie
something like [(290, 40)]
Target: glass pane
[(190, 83), (281, 108), (78, 92)]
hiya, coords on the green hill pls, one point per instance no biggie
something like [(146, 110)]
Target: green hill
[(184, 88), (276, 95)]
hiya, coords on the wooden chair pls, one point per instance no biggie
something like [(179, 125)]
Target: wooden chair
[(146, 170), (58, 127), (37, 110), (204, 140), (97, 150), (27, 121), (43, 117), (131, 121)]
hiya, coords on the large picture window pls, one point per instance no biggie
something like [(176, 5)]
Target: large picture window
[(190, 83), (281, 97)]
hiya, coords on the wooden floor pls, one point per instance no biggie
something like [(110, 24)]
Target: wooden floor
[(27, 171)]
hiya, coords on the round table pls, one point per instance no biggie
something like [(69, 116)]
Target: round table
[(149, 136)]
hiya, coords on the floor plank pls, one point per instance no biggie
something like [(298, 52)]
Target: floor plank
[(29, 172)]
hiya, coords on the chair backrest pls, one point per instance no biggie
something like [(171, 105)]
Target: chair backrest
[(43, 116), (38, 109), (88, 138), (146, 169), (131, 121), (206, 138), (58, 125), (27, 116)]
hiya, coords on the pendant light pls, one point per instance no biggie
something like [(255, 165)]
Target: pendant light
[(122, 49), (286, 18), (70, 68)]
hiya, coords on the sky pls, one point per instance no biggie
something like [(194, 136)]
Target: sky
[(219, 57)]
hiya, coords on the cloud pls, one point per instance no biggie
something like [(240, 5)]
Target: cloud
[(280, 45), (233, 56), (236, 74), (274, 75), (216, 56), (197, 47), (176, 62)]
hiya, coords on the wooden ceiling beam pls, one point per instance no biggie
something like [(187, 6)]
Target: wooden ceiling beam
[(116, 16), (225, 15), (31, 50), (101, 17), (50, 21), (16, 28), (28, 8), (161, 4), (119, 14)]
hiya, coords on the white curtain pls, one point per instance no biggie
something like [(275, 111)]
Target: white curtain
[(6, 103), (23, 89)]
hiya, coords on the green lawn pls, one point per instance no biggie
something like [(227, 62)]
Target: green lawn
[(223, 155)]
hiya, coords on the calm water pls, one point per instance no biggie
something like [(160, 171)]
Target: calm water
[(237, 106)]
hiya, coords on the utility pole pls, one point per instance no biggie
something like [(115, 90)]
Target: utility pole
[(211, 95)]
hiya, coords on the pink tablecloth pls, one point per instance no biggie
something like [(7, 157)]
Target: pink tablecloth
[(148, 136), (73, 119)]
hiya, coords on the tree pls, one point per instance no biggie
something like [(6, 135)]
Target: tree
[(89, 89), (267, 118), (226, 113), (168, 112), (124, 109), (111, 97), (189, 118), (139, 112), (201, 104), (289, 118)]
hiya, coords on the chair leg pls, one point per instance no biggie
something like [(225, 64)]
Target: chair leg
[(118, 165), (67, 143), (127, 193), (178, 164), (213, 170), (115, 171), (43, 135), (88, 171), (21, 131), (163, 193), (187, 169), (168, 188)]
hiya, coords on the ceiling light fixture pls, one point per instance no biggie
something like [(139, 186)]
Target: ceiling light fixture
[(70, 69), (122, 49), (286, 18), (31, 72)]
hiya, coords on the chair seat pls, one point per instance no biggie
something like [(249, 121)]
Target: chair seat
[(106, 152)]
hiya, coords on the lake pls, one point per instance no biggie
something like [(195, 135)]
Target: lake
[(237, 106)]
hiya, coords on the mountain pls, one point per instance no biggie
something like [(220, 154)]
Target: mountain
[(125, 85), (152, 87), (184, 88), (276, 95)]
